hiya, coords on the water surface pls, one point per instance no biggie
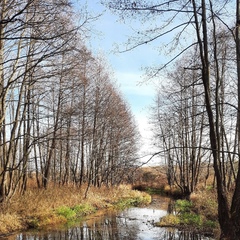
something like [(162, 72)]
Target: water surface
[(131, 224)]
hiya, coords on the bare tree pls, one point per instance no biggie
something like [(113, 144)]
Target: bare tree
[(199, 19), (178, 120), (32, 34)]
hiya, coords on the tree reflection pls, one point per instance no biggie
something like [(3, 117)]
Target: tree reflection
[(112, 226), (107, 231), (183, 235)]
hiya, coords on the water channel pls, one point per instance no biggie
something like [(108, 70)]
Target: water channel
[(136, 223)]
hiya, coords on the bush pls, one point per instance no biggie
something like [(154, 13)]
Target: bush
[(205, 204), (126, 202)]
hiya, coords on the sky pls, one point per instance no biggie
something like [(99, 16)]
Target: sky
[(107, 33)]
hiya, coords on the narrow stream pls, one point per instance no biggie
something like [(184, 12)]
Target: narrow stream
[(131, 224)]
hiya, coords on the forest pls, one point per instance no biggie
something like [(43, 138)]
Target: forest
[(64, 122), (196, 115), (63, 118)]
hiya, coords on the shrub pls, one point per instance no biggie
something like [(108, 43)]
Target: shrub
[(134, 200), (167, 189), (126, 202)]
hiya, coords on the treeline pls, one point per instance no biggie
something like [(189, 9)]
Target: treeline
[(62, 119), (197, 110), (180, 118)]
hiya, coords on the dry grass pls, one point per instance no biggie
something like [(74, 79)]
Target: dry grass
[(150, 177), (10, 223), (38, 207), (205, 203)]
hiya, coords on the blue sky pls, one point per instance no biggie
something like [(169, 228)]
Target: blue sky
[(107, 33)]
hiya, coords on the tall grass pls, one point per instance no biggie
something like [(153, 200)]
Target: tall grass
[(40, 208)]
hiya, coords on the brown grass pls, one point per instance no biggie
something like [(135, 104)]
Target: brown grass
[(10, 223), (37, 207), (205, 203), (150, 177)]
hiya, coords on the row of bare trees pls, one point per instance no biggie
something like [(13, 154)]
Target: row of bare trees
[(62, 118), (180, 118), (179, 125), (197, 112)]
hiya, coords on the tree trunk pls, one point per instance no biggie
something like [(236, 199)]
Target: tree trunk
[(235, 207), (223, 206)]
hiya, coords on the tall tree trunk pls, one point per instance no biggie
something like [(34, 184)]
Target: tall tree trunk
[(2, 107), (223, 206), (235, 207)]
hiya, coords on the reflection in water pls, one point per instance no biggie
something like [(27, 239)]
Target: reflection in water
[(131, 224), (78, 233)]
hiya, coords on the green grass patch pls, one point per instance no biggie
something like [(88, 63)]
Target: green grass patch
[(83, 209), (185, 216), (66, 212), (155, 190), (210, 224), (183, 206), (133, 201), (169, 221), (127, 202), (78, 211), (183, 219), (191, 219), (209, 187)]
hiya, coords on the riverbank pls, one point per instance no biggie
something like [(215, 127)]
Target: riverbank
[(197, 214), (40, 208)]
